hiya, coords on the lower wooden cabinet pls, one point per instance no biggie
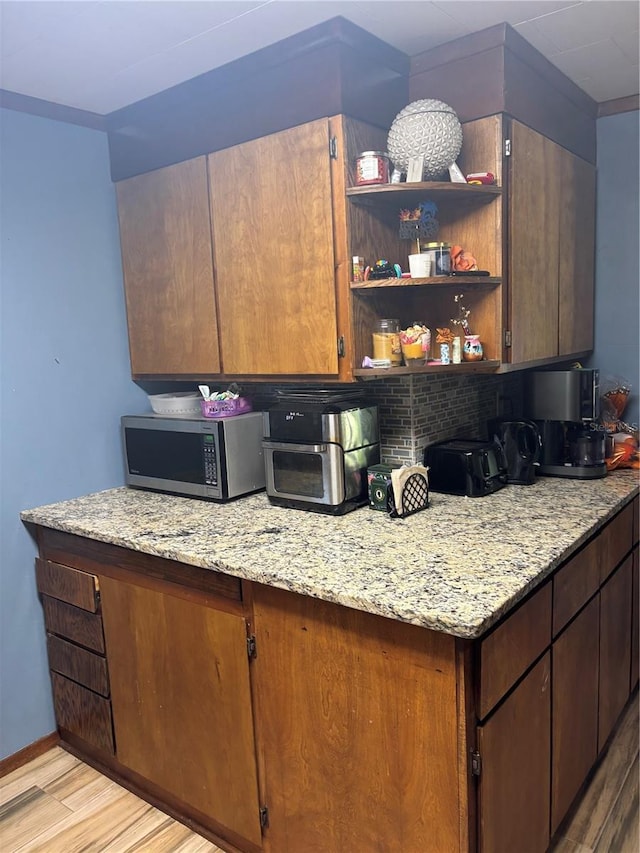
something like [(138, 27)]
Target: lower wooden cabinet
[(574, 714), (635, 630), (515, 749), (615, 648), (181, 698), (280, 723)]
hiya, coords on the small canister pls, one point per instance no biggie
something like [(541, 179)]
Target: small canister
[(386, 341), (372, 167), (440, 254)]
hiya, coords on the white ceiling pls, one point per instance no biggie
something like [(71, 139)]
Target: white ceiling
[(101, 56)]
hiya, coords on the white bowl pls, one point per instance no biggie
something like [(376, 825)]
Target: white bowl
[(176, 403)]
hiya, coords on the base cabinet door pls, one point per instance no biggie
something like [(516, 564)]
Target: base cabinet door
[(514, 785), (358, 730), (635, 633), (574, 734), (615, 647), (181, 701)]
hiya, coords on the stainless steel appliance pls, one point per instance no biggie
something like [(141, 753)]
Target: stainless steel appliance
[(565, 405), (212, 458), (521, 445), (466, 467), (317, 447)]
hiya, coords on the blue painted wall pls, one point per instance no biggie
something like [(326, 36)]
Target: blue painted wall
[(64, 372), (617, 293)]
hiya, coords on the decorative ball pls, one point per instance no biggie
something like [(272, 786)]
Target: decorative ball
[(429, 129)]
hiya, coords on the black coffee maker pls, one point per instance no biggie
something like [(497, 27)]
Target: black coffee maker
[(565, 405), (520, 442)]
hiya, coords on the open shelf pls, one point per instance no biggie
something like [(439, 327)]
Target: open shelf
[(407, 194), (441, 280), (486, 366)]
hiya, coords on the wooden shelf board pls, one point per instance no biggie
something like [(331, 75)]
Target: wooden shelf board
[(441, 280), (486, 366), (409, 193)]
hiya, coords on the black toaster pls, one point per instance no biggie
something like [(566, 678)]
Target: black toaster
[(466, 467)]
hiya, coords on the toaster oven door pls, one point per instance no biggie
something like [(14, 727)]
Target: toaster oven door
[(313, 473)]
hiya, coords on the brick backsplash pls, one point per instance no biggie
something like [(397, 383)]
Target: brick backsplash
[(417, 410)]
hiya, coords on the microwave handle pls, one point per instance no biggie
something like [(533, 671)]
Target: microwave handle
[(294, 447)]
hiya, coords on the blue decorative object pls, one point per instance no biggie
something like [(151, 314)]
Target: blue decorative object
[(421, 223)]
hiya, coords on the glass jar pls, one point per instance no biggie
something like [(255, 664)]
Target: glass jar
[(372, 167), (440, 254), (386, 341)]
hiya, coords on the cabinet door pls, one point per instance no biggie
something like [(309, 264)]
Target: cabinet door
[(514, 787), (181, 700), (165, 236), (274, 256), (533, 244), (576, 254), (575, 709), (615, 647), (358, 729)]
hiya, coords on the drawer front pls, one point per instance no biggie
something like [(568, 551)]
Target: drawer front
[(75, 624), (78, 664), (636, 521), (83, 713), (507, 652), (66, 584), (575, 583), (616, 539)]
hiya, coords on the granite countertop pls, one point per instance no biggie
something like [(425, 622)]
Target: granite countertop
[(455, 567)]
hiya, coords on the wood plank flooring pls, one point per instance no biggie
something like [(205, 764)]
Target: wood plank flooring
[(58, 804)]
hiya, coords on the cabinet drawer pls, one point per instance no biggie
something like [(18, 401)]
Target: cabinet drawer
[(78, 664), (616, 540), (512, 647), (636, 521), (66, 584), (83, 713), (73, 623), (575, 583)]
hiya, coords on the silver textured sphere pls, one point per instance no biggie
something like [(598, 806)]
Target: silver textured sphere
[(426, 128)]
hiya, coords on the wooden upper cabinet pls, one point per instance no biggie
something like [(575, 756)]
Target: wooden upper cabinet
[(534, 244), (577, 254), (551, 248), (272, 220), (165, 236)]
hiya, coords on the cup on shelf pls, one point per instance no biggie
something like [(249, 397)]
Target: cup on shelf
[(420, 265), (413, 353)]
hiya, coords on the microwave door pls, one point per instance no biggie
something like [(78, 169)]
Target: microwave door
[(304, 472)]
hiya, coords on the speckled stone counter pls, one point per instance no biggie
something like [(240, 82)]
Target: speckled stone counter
[(456, 567)]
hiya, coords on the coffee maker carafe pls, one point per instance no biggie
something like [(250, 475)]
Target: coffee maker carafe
[(564, 405)]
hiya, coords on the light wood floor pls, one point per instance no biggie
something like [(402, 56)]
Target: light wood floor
[(58, 804)]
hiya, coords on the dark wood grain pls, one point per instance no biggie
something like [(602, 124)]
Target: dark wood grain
[(101, 557), (514, 786), (533, 245), (575, 709), (576, 275), (507, 652), (615, 648), (67, 584), (575, 583), (73, 623), (78, 664), (635, 626), (82, 712), (616, 540)]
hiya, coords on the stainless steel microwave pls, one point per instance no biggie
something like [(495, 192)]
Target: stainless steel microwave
[(212, 458)]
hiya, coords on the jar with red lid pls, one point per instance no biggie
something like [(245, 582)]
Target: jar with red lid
[(372, 167)]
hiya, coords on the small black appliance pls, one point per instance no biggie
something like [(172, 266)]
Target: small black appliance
[(466, 467), (520, 442), (565, 406)]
